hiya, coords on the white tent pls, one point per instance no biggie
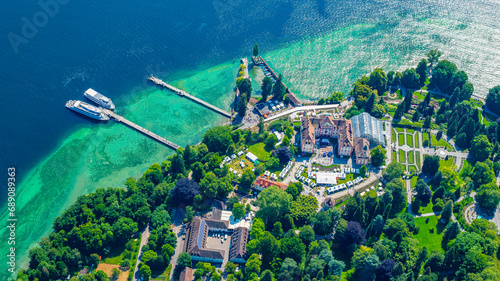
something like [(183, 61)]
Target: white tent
[(326, 178)]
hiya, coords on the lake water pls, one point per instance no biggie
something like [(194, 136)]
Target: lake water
[(112, 46)]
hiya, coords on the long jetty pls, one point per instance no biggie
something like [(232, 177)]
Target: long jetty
[(182, 93), (140, 129)]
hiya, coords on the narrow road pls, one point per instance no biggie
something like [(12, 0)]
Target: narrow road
[(144, 241)]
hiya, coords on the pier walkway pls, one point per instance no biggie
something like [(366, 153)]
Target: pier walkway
[(140, 129), (182, 93)]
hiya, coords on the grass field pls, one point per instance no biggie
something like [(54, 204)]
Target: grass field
[(260, 151), (393, 137), (466, 164), (412, 169), (419, 95), (411, 159), (409, 140), (410, 131), (400, 130), (425, 137), (401, 139), (427, 208), (402, 156), (348, 177), (413, 181), (394, 156), (418, 159), (417, 140), (441, 142), (446, 163), (119, 253), (430, 234)]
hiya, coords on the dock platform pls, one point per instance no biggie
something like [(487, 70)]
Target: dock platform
[(182, 93), (140, 129)]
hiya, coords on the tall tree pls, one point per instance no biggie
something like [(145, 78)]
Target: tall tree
[(422, 70), (378, 155), (481, 148), (370, 103), (255, 50), (433, 56), (378, 81), (267, 88), (493, 100), (242, 105), (447, 212), (279, 89)]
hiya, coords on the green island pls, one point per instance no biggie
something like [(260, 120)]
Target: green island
[(258, 201)]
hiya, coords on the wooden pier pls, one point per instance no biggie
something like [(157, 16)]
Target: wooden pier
[(182, 93), (140, 129)]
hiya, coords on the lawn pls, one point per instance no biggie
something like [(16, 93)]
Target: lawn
[(425, 137), (410, 131), (409, 140), (441, 142), (119, 253), (427, 208), (394, 156), (402, 156), (419, 95), (465, 165), (400, 95), (411, 159), (417, 140), (412, 169), (430, 234), (401, 139), (413, 181), (235, 164), (418, 159), (483, 118), (394, 137), (260, 151), (446, 163), (400, 130), (348, 177)]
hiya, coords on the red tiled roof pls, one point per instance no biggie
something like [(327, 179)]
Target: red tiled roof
[(265, 183)]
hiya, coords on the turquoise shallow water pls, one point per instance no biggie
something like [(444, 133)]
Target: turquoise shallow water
[(319, 46)]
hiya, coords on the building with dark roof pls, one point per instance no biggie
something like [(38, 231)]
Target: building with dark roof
[(217, 225), (186, 274), (239, 240), (362, 149), (293, 99), (196, 240)]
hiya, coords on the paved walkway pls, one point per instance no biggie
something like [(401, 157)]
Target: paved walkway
[(144, 241), (344, 104)]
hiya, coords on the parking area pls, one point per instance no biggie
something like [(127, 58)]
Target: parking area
[(220, 241)]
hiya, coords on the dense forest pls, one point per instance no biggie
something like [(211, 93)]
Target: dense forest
[(368, 237)]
